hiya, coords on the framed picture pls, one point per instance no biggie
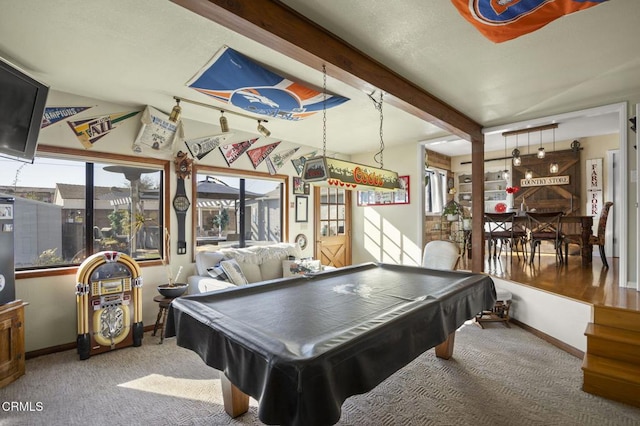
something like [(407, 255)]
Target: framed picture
[(386, 198), (298, 185), (302, 209)]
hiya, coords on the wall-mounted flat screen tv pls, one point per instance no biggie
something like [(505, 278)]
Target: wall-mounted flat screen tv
[(22, 103)]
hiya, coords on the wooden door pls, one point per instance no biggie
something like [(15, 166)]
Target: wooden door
[(333, 226)]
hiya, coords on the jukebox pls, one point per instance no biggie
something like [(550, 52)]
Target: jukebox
[(109, 303)]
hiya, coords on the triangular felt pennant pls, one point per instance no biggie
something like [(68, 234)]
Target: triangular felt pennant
[(54, 114), (200, 147), (233, 151), (89, 130), (298, 163), (276, 161), (257, 155)]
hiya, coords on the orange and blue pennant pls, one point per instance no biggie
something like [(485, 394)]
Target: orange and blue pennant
[(502, 20), (235, 79)]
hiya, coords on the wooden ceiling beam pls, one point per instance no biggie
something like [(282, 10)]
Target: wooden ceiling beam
[(280, 28)]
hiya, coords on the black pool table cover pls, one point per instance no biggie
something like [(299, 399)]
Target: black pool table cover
[(303, 345)]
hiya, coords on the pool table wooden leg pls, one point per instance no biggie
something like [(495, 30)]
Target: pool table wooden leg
[(236, 402), (445, 349)]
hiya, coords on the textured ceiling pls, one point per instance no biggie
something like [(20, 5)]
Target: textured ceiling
[(143, 52)]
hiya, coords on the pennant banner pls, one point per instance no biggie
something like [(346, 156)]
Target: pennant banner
[(234, 79), (257, 155), (233, 151), (157, 132), (276, 161), (502, 20), (202, 146), (298, 163), (89, 130), (54, 114)]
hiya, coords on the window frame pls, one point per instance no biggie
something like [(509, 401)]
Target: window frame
[(85, 156), (236, 173)]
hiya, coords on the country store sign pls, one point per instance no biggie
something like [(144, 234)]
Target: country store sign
[(545, 181)]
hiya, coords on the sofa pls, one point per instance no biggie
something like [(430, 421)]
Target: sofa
[(229, 267)]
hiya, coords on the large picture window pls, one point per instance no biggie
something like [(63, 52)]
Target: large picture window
[(68, 207), (237, 210)]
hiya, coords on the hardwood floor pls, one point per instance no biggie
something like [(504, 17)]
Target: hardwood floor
[(594, 284)]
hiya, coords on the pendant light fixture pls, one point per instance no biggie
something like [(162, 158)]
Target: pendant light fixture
[(529, 173), (541, 153), (554, 168), (325, 171), (176, 112), (224, 124), (263, 130), (505, 172), (517, 160)]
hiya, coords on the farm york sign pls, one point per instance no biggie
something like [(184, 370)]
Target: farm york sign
[(545, 181)]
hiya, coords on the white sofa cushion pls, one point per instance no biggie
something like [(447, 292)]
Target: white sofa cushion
[(271, 269), (251, 271), (234, 272), (206, 260)]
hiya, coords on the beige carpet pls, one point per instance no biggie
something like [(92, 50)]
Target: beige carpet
[(497, 376)]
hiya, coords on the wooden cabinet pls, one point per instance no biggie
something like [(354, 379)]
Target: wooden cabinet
[(494, 190), (11, 341)]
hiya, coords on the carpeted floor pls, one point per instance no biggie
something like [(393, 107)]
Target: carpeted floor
[(496, 376)]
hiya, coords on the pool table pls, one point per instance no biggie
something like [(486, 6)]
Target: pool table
[(303, 345)]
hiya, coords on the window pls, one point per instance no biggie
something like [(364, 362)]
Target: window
[(435, 190), (70, 207), (219, 220)]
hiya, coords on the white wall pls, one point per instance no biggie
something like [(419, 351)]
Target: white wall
[(50, 317), (391, 233)]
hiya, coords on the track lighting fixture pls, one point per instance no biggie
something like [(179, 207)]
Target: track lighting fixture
[(224, 124), (176, 112), (263, 130)]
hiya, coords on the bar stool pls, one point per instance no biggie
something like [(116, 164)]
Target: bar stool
[(500, 311), (164, 303)]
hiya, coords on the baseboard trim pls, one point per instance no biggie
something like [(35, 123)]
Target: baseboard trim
[(64, 347), (555, 342)]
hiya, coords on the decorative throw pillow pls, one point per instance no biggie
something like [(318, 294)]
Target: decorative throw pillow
[(291, 268), (251, 271), (218, 273), (233, 271)]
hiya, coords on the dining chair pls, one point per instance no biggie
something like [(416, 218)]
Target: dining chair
[(597, 239), (544, 226), (499, 230)]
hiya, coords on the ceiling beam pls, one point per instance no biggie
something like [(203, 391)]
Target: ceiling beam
[(280, 28)]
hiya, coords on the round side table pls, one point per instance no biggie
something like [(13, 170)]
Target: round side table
[(163, 303)]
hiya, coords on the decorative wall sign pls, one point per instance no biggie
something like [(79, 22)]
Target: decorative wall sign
[(594, 186), (235, 79), (89, 130), (386, 198), (156, 133), (233, 151), (300, 187), (54, 114), (545, 181)]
